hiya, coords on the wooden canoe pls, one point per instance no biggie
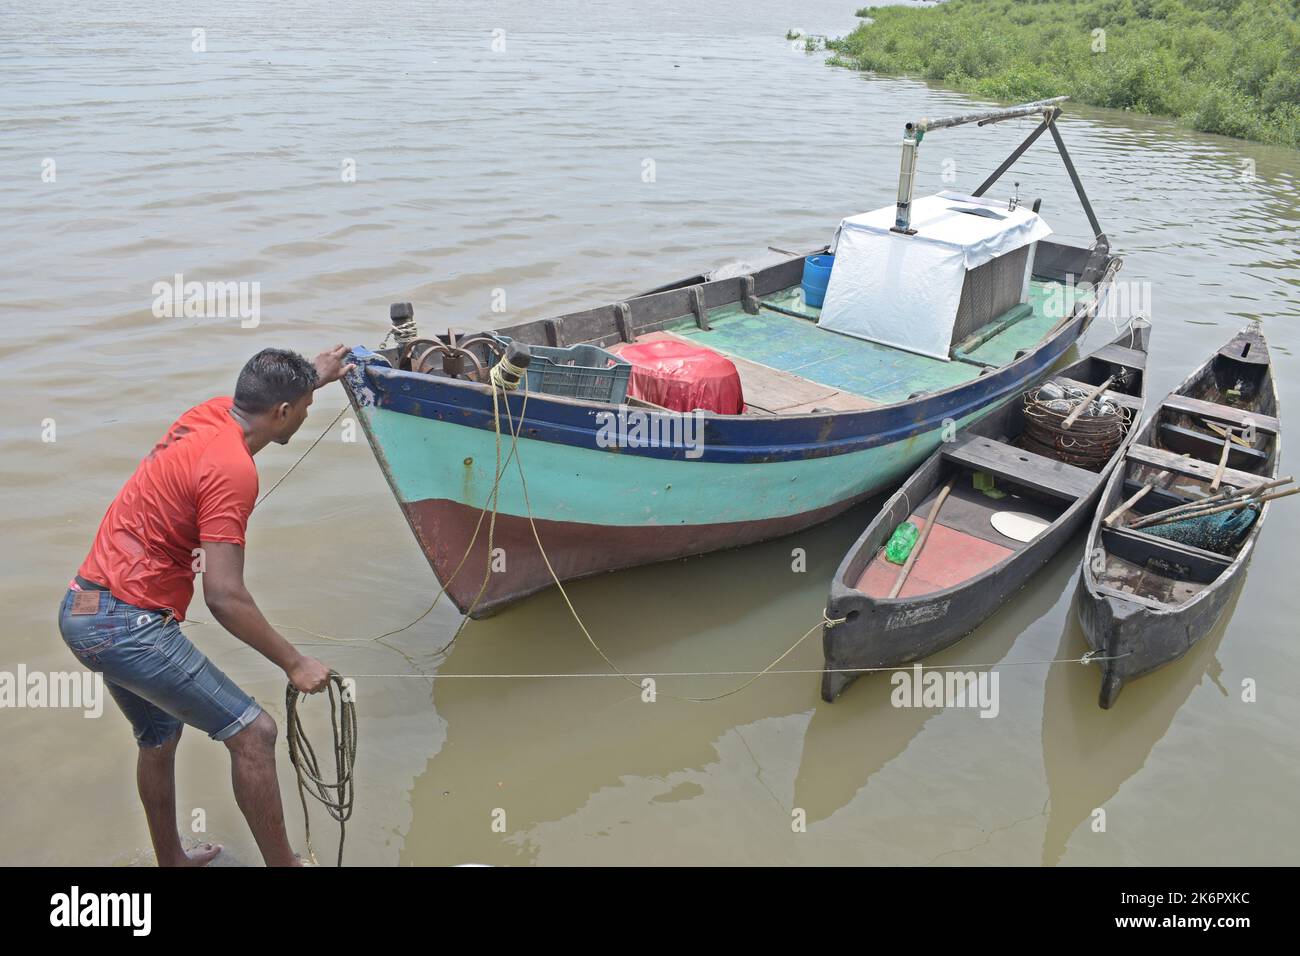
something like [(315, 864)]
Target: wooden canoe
[(966, 568), (1144, 600)]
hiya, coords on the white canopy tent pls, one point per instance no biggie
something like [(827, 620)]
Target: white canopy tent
[(904, 290)]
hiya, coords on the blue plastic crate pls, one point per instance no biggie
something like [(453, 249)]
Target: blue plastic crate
[(579, 371)]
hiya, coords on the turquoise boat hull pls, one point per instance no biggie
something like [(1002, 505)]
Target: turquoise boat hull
[(596, 508)]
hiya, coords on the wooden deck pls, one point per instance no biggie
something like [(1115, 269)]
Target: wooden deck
[(771, 391)]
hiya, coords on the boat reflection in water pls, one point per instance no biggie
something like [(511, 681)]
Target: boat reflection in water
[(1088, 752)]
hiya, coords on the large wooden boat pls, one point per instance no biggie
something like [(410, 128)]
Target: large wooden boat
[(830, 418)]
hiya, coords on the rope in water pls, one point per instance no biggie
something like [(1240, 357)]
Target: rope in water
[(336, 797), (490, 505), (441, 591), (1086, 659)]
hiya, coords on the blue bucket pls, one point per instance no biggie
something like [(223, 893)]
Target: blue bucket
[(816, 275)]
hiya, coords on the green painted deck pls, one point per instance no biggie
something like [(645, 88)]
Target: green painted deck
[(878, 373), (1002, 348)]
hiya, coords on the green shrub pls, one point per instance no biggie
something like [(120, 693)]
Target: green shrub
[(1223, 66)]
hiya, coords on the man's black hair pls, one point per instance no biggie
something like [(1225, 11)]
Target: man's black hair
[(273, 376)]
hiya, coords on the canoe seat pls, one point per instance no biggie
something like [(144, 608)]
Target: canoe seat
[(1121, 355), (1221, 413), (1043, 474), (1186, 465), (1169, 558)]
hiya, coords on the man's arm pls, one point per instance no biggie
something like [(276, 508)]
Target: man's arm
[(233, 607), (330, 367)]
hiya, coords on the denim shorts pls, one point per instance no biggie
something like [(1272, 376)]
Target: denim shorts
[(158, 678)]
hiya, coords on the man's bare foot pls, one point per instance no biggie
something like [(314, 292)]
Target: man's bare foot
[(200, 855)]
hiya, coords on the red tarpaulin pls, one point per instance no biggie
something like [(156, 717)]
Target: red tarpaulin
[(682, 376)]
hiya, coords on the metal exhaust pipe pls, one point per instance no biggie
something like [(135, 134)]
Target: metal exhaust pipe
[(913, 133)]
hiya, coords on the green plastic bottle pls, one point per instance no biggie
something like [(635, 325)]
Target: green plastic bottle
[(901, 542)]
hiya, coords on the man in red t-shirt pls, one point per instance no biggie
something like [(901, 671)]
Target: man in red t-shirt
[(185, 511)]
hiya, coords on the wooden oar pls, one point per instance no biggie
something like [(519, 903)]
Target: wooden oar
[(1119, 512), (920, 542), (1086, 401), (1223, 463)]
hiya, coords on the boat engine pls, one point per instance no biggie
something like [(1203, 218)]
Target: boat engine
[(469, 358)]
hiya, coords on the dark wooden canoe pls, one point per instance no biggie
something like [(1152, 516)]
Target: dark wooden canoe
[(967, 569), (1145, 600)]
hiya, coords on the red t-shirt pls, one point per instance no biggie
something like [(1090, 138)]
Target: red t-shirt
[(198, 484)]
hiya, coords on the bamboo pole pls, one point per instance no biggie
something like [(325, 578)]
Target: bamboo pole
[(1086, 401), (1224, 431), (1188, 515), (1229, 506), (990, 116), (1222, 497), (920, 543)]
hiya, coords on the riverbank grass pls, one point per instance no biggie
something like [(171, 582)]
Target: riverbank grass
[(1220, 66)]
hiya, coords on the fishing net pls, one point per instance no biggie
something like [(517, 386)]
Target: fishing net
[(1092, 438), (1221, 533)]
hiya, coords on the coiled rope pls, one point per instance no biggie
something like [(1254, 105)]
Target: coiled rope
[(336, 797)]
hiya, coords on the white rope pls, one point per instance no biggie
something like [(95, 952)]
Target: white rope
[(405, 331), (1086, 659)]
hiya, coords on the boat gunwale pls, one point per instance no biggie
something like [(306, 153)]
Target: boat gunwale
[(857, 430), (1087, 310)]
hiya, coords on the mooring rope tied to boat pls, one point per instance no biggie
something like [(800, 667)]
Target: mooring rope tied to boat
[(337, 797), (318, 440), (826, 621), (1086, 659)]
